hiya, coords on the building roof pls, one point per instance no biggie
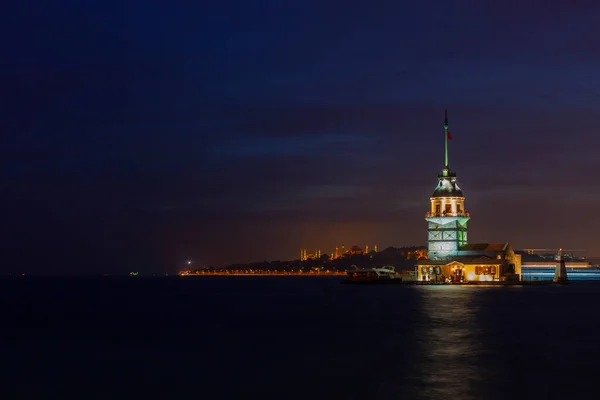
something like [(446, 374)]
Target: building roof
[(484, 247), (447, 187), (462, 260)]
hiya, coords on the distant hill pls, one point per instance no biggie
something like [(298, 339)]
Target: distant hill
[(403, 258)]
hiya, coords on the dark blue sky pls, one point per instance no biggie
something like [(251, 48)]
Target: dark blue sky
[(136, 134)]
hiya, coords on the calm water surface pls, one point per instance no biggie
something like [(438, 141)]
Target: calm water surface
[(295, 338)]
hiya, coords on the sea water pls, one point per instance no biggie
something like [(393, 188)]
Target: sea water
[(295, 338)]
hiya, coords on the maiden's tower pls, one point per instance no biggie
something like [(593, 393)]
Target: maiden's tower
[(450, 257)]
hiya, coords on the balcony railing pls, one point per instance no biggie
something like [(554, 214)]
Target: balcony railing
[(447, 214)]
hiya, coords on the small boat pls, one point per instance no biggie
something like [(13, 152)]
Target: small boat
[(372, 275)]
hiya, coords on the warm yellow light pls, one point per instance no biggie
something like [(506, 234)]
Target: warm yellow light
[(470, 276)]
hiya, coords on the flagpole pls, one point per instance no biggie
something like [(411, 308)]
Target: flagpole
[(446, 138)]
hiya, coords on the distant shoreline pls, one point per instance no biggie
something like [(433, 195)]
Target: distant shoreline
[(264, 273)]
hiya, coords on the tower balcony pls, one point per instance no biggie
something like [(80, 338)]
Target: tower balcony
[(430, 214)]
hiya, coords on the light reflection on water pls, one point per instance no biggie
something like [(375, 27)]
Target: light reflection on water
[(448, 341)]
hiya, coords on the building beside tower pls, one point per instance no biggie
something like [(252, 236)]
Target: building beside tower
[(450, 257)]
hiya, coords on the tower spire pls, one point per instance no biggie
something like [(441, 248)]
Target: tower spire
[(446, 138)]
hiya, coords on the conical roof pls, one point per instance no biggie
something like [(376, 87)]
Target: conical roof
[(447, 186)]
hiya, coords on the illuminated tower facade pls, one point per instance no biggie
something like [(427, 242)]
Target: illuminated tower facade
[(560, 273), (447, 218)]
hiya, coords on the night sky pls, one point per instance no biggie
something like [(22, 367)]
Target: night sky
[(136, 134)]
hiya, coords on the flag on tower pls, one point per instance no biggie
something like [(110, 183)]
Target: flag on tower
[(449, 135)]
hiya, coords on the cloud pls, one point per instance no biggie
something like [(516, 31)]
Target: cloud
[(257, 146)]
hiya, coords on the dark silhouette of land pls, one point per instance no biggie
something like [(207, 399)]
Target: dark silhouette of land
[(402, 258)]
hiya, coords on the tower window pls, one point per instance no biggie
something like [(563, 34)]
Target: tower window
[(458, 208), (448, 208), (438, 208)]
